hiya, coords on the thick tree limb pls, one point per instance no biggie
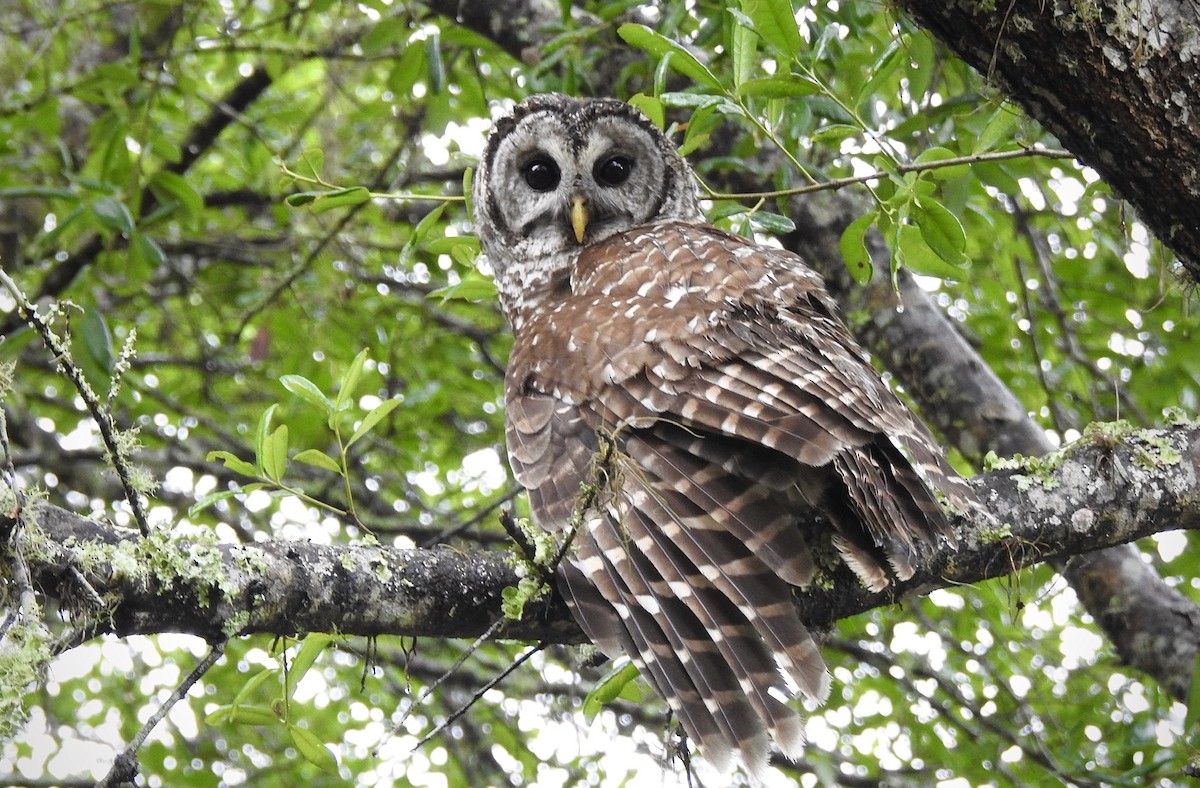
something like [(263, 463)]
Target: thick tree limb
[(1108, 489)]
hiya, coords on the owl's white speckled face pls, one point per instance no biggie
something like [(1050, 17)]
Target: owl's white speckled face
[(561, 173)]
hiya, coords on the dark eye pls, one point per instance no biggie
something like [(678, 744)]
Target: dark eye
[(541, 174), (613, 171)]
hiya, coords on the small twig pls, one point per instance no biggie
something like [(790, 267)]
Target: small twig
[(102, 417), (81, 581), (839, 183), (125, 766), (461, 710), (517, 535)]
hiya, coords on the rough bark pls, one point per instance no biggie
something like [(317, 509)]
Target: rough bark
[(1117, 82), (1109, 489)]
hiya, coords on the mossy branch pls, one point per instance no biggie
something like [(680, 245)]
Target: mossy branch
[(114, 442)]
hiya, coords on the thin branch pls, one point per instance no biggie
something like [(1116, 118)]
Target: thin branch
[(100, 414), (491, 684), (125, 766), (841, 183)]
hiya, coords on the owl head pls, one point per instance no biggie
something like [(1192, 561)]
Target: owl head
[(561, 173)]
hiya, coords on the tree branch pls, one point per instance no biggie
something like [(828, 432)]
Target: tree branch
[(1108, 489)]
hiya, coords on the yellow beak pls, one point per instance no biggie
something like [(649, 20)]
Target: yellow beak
[(579, 217)]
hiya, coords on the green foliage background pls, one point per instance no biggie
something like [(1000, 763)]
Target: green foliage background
[(109, 183)]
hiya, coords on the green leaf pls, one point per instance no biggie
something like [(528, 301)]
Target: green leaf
[(474, 287), (242, 715), (681, 60), (835, 133), (941, 230), (775, 21), (320, 202), (999, 130), (689, 100), (274, 456), (921, 71), (467, 190), (385, 35), (317, 459), (172, 187), (1193, 699), (212, 498), (700, 127), (233, 463), (301, 198), (311, 163), (146, 252), (253, 683), (649, 106), (786, 86), (449, 244), (377, 414), (436, 71), (407, 68), (617, 682), (261, 431), (884, 66), (745, 51), (306, 390), (941, 154), (313, 645), (112, 214), (313, 750), (853, 246), (349, 382), (773, 223), (913, 253), (92, 329), (426, 225), (38, 191)]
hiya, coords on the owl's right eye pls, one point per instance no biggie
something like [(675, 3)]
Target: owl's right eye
[(541, 174)]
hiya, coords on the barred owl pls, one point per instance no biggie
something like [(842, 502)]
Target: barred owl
[(707, 385)]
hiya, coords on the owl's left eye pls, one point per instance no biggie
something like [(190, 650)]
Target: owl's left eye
[(613, 171)]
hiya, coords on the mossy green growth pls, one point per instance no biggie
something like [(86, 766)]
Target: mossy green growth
[(1037, 470), (533, 571), (1155, 451), (1151, 448), (1107, 433), (994, 535), (194, 561), (24, 657), (1178, 417), (514, 598)]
